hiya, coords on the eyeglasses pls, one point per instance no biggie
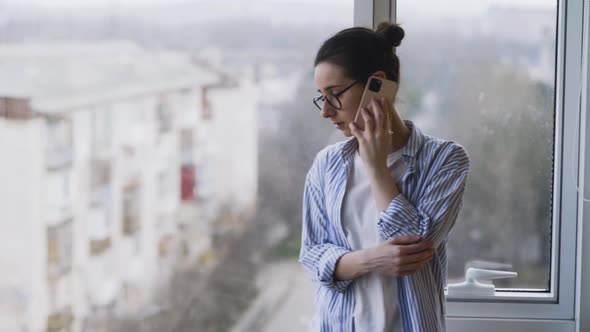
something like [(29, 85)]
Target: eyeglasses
[(332, 98)]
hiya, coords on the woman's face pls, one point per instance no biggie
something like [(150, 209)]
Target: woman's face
[(330, 79)]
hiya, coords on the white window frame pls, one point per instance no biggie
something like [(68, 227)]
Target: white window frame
[(582, 305), (563, 309)]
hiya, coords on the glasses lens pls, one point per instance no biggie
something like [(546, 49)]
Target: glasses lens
[(334, 101)]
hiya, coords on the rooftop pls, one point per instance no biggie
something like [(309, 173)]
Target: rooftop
[(58, 76)]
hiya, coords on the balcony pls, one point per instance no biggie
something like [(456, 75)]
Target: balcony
[(187, 145), (167, 246), (165, 116), (137, 135), (59, 158), (131, 224), (100, 171), (100, 196), (99, 232), (101, 152), (131, 166), (168, 205), (60, 320), (103, 285), (59, 214), (57, 270), (59, 200), (98, 247), (104, 293), (135, 272)]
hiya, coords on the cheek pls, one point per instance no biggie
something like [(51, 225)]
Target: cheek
[(349, 113), (349, 110), (351, 103)]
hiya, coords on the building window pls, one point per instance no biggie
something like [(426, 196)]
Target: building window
[(59, 249)]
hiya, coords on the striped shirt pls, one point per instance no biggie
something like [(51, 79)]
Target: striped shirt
[(431, 194)]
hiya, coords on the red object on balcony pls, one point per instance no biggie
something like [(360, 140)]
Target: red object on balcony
[(187, 182)]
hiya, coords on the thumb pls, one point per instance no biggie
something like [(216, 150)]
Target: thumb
[(406, 239)]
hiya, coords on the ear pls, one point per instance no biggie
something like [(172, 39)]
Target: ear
[(379, 73)]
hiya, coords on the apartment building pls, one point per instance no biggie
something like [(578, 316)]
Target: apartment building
[(107, 177)]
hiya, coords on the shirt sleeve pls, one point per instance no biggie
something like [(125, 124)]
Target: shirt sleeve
[(318, 255), (436, 210)]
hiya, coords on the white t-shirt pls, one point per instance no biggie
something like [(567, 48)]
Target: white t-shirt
[(376, 298)]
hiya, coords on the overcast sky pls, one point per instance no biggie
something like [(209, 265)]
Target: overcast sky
[(456, 5), (430, 7)]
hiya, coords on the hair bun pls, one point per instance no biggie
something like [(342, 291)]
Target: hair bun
[(392, 33)]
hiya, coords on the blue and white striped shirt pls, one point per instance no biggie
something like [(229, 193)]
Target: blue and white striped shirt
[(431, 194)]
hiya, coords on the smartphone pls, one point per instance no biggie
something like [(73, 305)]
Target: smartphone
[(376, 87)]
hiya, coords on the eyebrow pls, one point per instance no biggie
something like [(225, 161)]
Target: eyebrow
[(331, 87)]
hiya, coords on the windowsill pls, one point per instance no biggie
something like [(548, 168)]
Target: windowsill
[(504, 295)]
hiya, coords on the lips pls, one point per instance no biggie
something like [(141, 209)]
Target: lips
[(339, 125)]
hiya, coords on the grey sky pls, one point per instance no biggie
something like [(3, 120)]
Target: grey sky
[(424, 7), (456, 5)]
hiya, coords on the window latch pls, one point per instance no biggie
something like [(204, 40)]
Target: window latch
[(472, 287)]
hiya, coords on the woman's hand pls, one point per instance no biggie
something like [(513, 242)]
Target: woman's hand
[(375, 143), (399, 256)]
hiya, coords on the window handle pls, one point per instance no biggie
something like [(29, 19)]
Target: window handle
[(472, 287)]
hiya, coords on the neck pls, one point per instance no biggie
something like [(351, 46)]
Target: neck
[(401, 132)]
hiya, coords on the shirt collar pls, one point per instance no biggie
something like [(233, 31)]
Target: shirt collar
[(411, 148)]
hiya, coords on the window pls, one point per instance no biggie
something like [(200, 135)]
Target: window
[(59, 198), (158, 97), (59, 134), (131, 211), (59, 151), (59, 249), (496, 85), (245, 70), (491, 88), (165, 117), (101, 130)]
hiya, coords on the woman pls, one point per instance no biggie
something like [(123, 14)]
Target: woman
[(378, 208)]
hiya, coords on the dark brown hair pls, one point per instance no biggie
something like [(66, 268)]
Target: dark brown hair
[(361, 51)]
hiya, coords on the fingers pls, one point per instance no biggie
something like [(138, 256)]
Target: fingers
[(386, 114), (356, 131), (411, 268), (369, 122), (384, 105), (422, 256), (406, 269), (377, 108), (406, 239), (415, 248)]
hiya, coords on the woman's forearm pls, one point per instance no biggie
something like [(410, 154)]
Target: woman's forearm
[(352, 265), (383, 187)]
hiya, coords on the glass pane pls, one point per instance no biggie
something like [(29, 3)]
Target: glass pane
[(482, 73), (185, 129)]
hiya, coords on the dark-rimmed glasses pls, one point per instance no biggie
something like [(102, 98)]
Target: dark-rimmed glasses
[(332, 99)]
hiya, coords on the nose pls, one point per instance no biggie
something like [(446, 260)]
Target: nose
[(327, 111)]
